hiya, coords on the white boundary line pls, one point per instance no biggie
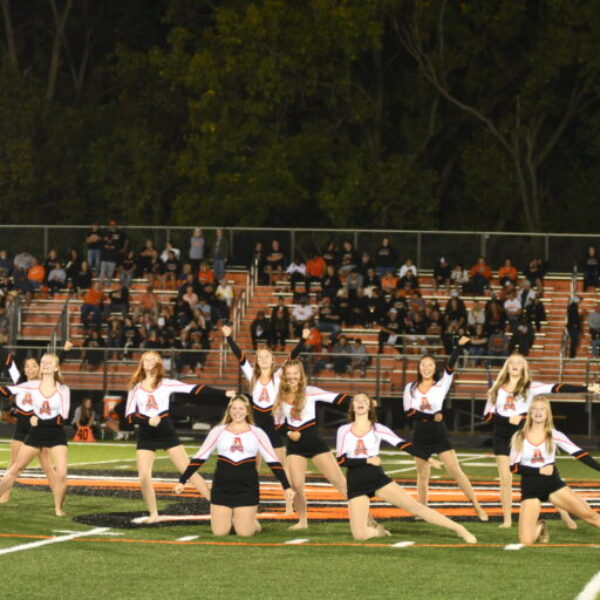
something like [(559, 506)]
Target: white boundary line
[(54, 540), (591, 591)]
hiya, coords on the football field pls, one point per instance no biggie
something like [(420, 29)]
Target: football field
[(100, 550)]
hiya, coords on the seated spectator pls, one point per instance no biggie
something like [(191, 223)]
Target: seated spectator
[(280, 325), (57, 278), (456, 311), (591, 269), (330, 284), (343, 307), (360, 357), (389, 282), (594, 325), (118, 303), (115, 338), (478, 344), (301, 314), (84, 415), (480, 277), (354, 282), (498, 346), (365, 264), (331, 255), (207, 312), (348, 258), (171, 269), (507, 272), (36, 275), (523, 336), (275, 261), (535, 273), (195, 357), (313, 343), (144, 259), (416, 331), (165, 254), (459, 278), (495, 316), (328, 320), (513, 309), (476, 315), (376, 308), (260, 330), (358, 309), (92, 305), (92, 352), (371, 280), (385, 258), (149, 301), (82, 280), (391, 330), (51, 261), (526, 294), (224, 295), (441, 274), (131, 337), (342, 355), (407, 267), (296, 271), (156, 271), (206, 279), (127, 269), (315, 269), (72, 267)]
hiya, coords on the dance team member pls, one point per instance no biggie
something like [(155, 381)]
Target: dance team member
[(533, 455), (49, 408), (235, 489), (508, 401), (148, 406), (423, 402), (358, 449)]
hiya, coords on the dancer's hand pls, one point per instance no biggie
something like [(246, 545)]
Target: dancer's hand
[(226, 329), (374, 460), (547, 470), (305, 333), (438, 417), (515, 420), (464, 340), (294, 435), (68, 345), (33, 420), (154, 421), (594, 388), (231, 393), (434, 462), (179, 488)]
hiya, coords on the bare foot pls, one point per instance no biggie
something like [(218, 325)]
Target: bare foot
[(299, 525), (544, 535), (59, 512), (467, 536), (483, 516), (505, 525), (257, 526), (4, 499), (383, 532), (568, 521), (151, 519)]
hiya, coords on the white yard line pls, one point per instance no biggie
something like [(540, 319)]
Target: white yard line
[(187, 538), (591, 591), (402, 544), (513, 547), (54, 540)]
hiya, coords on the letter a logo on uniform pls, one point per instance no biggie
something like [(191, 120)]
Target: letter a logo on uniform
[(360, 448), (237, 445), (425, 404), (510, 403), (264, 395), (151, 403), (45, 410), (537, 456), (27, 400)]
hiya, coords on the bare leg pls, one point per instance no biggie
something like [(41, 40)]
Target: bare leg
[(180, 459), (297, 467), (15, 446), (566, 517), (145, 462), (244, 520), (529, 524), (47, 467), (505, 475), (395, 495), (358, 511), (281, 455), (568, 500), (453, 467), (24, 457), (423, 469), (59, 455), (329, 467), (221, 519)]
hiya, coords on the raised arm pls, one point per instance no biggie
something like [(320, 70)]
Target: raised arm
[(299, 347), (244, 364), (456, 352)]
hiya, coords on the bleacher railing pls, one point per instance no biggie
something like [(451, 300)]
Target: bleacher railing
[(424, 247)]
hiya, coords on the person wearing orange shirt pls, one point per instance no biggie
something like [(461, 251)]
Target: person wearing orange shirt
[(206, 278), (315, 269), (92, 303), (36, 275), (481, 274), (389, 282), (507, 272)]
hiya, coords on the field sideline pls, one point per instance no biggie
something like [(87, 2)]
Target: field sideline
[(44, 556)]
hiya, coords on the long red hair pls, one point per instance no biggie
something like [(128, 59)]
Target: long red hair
[(140, 373)]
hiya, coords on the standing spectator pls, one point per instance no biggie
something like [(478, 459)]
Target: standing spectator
[(507, 272), (115, 337), (196, 253), (220, 254), (348, 258), (526, 294), (224, 295), (330, 284), (93, 239), (315, 269), (92, 352), (127, 270), (5, 264), (480, 276), (523, 337), (110, 253), (144, 258), (328, 321), (259, 262), (535, 272), (360, 357), (331, 254), (573, 325), (441, 274), (118, 303), (385, 258), (260, 330), (591, 269), (301, 314), (536, 313), (594, 325), (171, 266)]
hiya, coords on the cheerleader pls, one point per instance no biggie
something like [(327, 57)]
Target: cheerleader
[(148, 406), (235, 490), (533, 452), (295, 410), (508, 401), (423, 402), (22, 410), (48, 403), (358, 449)]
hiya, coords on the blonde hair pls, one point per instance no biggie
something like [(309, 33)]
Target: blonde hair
[(257, 372), (372, 408), (140, 373), (244, 400), (299, 396), (503, 377), (521, 434), (58, 378)]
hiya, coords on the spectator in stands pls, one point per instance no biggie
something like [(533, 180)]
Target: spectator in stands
[(385, 258), (260, 330), (478, 344), (5, 264), (260, 263), (526, 295), (118, 303), (196, 252), (507, 272), (127, 269), (301, 314), (371, 281), (315, 269), (115, 338), (331, 254), (536, 313), (498, 346), (365, 263), (348, 258), (408, 282), (343, 307), (206, 309), (330, 284), (280, 324), (480, 277), (573, 325), (72, 267), (92, 349), (164, 255), (591, 269), (407, 267), (36, 275), (376, 308), (149, 302), (296, 272), (144, 258), (495, 316), (342, 355), (523, 336), (391, 330), (594, 325), (83, 279), (513, 309), (93, 239), (535, 273), (156, 271), (224, 295), (172, 268), (459, 278), (275, 260), (328, 321), (441, 274), (354, 282), (51, 261), (84, 415), (206, 279), (455, 311), (131, 337), (92, 304), (220, 254), (57, 278), (389, 282), (112, 241), (476, 315), (360, 357)]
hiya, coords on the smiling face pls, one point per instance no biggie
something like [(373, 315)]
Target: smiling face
[(149, 362), (32, 369), (539, 412), (293, 376), (264, 358), (238, 411), (427, 368), (48, 364)]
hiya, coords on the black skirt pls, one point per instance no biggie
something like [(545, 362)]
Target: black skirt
[(431, 437), (267, 424), (310, 444), (46, 437), (161, 437), (365, 480), (540, 486), (503, 432), (235, 485)]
